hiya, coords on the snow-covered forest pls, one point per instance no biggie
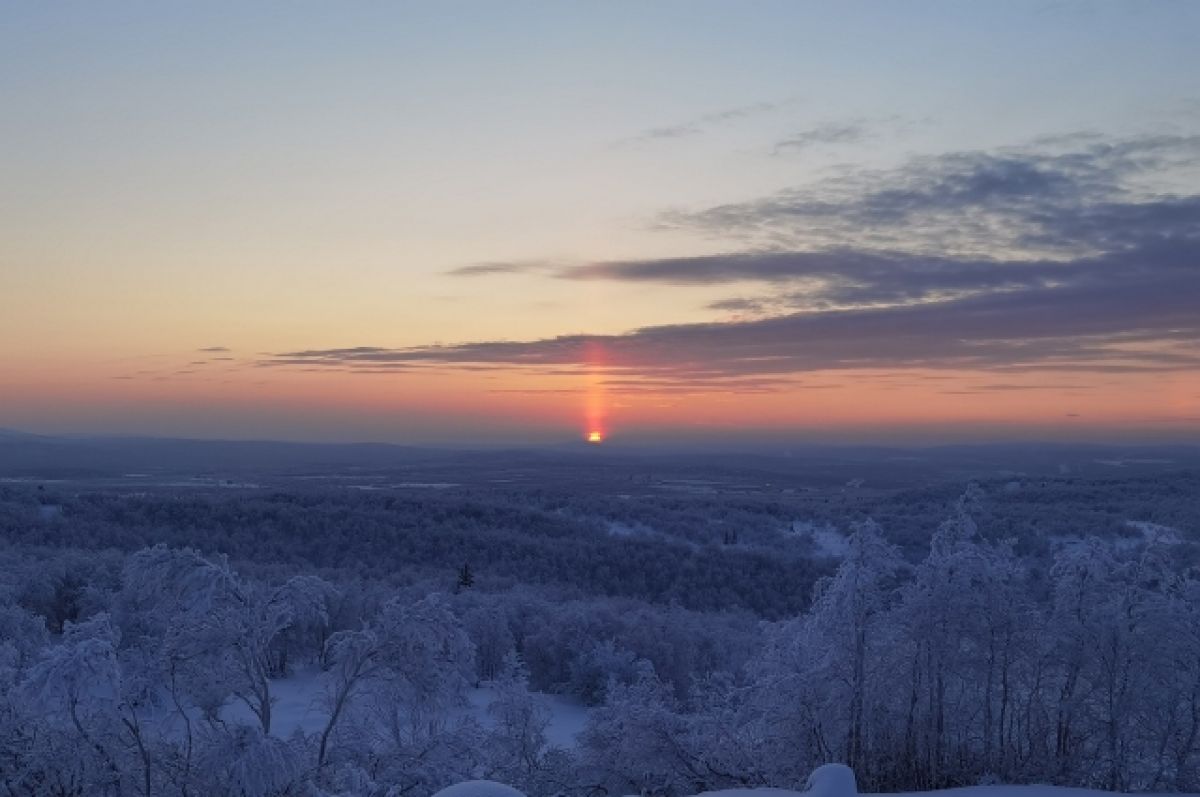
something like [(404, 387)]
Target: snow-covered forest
[(271, 640)]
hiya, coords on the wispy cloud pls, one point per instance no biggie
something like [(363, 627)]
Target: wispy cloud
[(214, 349), (823, 134), (703, 122), (499, 268)]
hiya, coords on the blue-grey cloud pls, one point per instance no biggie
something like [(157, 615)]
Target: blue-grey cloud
[(847, 278), (491, 269), (1056, 257), (1097, 325), (823, 134), (699, 124), (1056, 199), (986, 216), (648, 385), (740, 304)]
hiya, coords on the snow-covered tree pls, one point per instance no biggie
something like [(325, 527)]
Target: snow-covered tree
[(517, 743), (633, 743)]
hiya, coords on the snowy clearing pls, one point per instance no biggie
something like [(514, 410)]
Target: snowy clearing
[(298, 704)]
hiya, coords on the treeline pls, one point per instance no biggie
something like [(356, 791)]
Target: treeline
[(703, 552), (387, 537), (1038, 513)]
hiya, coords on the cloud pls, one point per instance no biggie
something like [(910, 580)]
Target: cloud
[(651, 386), (841, 276), (1071, 255), (951, 222), (823, 134), (214, 349), (699, 124), (1058, 197), (1094, 325), (491, 269), (739, 304), (847, 278)]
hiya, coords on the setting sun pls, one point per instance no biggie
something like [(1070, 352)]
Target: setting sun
[(595, 437)]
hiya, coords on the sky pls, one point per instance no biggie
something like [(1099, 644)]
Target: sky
[(494, 223)]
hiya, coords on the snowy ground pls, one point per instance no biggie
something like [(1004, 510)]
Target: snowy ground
[(1016, 791), (837, 780), (829, 780), (298, 704), (826, 539), (970, 791)]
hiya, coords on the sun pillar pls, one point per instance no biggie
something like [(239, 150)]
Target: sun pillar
[(595, 412)]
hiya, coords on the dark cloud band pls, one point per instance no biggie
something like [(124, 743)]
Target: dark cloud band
[(1056, 257)]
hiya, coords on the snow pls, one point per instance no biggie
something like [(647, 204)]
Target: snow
[(1038, 790), (567, 716), (750, 793), (827, 780), (479, 788), (1156, 533), (966, 791), (405, 486), (832, 780), (616, 528), (297, 703), (1122, 462), (825, 538)]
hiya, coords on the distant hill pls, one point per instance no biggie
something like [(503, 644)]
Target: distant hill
[(40, 456), (37, 456)]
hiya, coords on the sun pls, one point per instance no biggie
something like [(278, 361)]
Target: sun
[(595, 437)]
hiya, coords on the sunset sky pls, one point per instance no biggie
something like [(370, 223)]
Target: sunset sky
[(493, 223)]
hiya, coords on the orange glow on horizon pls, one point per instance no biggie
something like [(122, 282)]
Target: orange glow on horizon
[(167, 395)]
